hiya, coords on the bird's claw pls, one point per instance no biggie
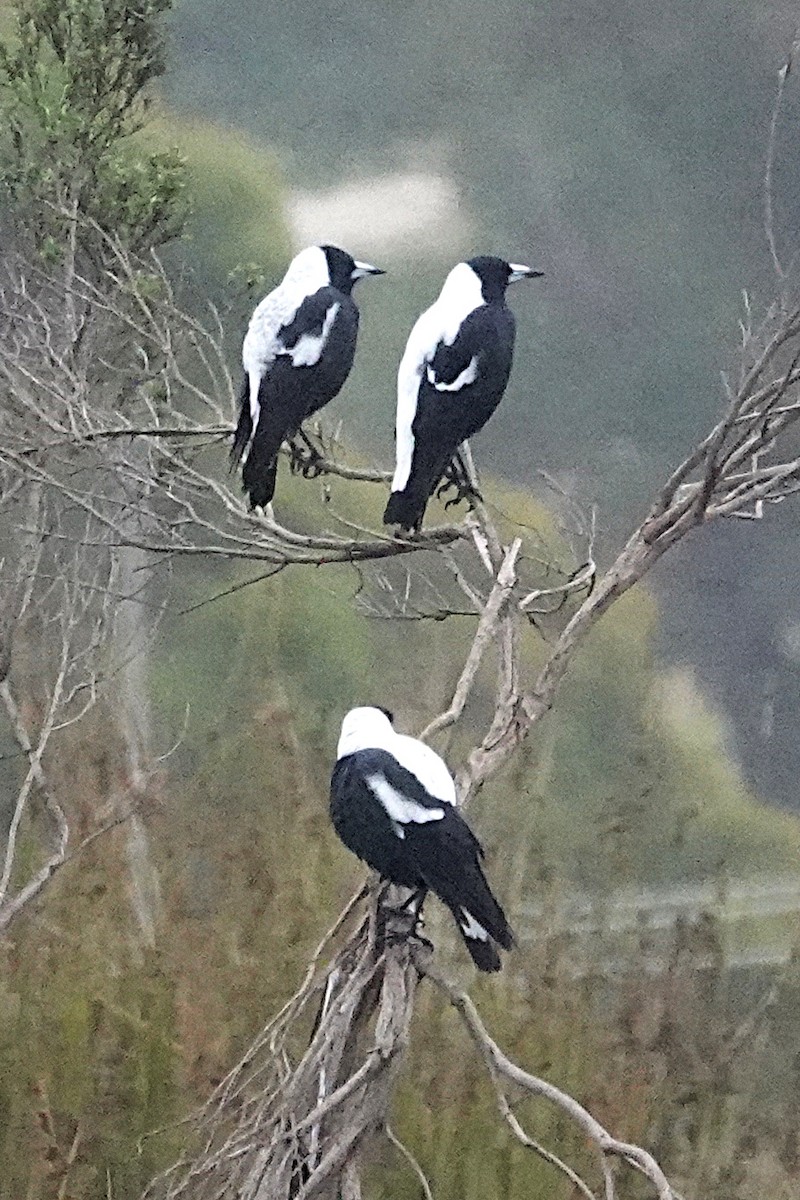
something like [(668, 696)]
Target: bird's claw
[(464, 491), (305, 460), (312, 467), (404, 930)]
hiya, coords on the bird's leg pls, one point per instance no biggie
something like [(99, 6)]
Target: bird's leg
[(461, 468), (314, 456), (457, 476), (402, 921), (306, 459), (450, 479)]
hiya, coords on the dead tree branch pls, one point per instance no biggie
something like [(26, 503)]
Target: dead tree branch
[(503, 1071)]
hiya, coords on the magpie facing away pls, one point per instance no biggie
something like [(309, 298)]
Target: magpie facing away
[(451, 378), (393, 804), (297, 353)]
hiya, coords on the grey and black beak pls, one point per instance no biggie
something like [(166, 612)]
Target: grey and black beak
[(518, 271), (360, 269)]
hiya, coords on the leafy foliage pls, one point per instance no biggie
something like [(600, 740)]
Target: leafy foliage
[(74, 83)]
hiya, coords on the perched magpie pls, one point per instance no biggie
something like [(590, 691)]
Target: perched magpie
[(297, 353), (451, 378), (393, 804)]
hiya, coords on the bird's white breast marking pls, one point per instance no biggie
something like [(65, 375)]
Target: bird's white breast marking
[(472, 928), (460, 295), (399, 808), (308, 348), (467, 376)]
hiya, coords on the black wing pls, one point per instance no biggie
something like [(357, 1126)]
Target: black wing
[(473, 370), (447, 856), (303, 378), (309, 318), (363, 822)]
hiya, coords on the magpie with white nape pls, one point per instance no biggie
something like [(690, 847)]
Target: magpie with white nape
[(393, 804), (451, 378), (296, 354)]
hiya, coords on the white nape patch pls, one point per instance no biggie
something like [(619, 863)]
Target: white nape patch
[(398, 828), (307, 351), (399, 808), (368, 728), (472, 928), (460, 295), (364, 728), (425, 765), (467, 376), (306, 274)]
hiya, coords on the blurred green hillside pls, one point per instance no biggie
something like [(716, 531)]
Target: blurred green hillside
[(237, 194)]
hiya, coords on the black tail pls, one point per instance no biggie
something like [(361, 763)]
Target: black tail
[(406, 509), (259, 475), (447, 855), (244, 427), (482, 950), (482, 928), (257, 447)]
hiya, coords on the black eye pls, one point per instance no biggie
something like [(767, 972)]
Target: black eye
[(386, 712)]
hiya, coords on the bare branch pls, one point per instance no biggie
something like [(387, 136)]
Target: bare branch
[(484, 636), (412, 1162), (502, 1068)]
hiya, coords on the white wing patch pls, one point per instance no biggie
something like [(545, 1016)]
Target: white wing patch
[(467, 376), (408, 380), (472, 928), (255, 407), (308, 348), (399, 808)]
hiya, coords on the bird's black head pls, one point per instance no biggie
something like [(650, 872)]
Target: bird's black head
[(496, 274), (343, 269)]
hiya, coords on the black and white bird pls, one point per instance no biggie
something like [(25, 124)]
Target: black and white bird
[(451, 378), (296, 354), (393, 804)]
